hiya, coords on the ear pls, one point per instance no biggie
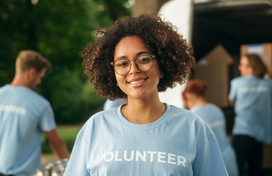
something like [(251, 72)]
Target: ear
[(188, 96), (31, 73)]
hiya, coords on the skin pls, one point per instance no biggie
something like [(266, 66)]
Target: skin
[(141, 88), (193, 100), (32, 79), (244, 67)]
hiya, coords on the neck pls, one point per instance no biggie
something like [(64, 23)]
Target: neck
[(19, 80), (143, 111), (197, 101)]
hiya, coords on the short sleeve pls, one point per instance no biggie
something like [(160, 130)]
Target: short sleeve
[(270, 83), (77, 164), (47, 120), (232, 94), (209, 160)]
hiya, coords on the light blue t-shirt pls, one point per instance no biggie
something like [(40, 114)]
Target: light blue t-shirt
[(252, 98), (215, 118), (112, 104), (24, 115), (179, 143)]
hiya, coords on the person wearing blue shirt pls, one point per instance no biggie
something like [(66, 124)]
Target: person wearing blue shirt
[(193, 97), (251, 96), (113, 103), (24, 117), (136, 59)]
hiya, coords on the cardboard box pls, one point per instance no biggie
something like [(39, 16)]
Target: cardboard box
[(213, 68), (267, 154), (264, 50)]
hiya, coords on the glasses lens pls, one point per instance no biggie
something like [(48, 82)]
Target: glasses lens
[(144, 63), (122, 66)]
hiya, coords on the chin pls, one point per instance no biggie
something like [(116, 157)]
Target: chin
[(137, 96)]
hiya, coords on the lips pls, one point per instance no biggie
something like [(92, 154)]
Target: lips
[(137, 82)]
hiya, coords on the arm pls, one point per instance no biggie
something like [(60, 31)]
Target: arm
[(208, 159), (77, 164), (232, 94), (232, 103), (56, 143)]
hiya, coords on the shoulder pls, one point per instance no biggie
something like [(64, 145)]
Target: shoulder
[(214, 107), (237, 79), (185, 116), (268, 81), (4, 88), (192, 125), (100, 118), (216, 111), (38, 98)]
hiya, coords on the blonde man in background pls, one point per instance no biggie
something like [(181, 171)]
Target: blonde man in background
[(24, 117)]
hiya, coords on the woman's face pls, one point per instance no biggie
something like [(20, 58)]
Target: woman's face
[(137, 84), (244, 67)]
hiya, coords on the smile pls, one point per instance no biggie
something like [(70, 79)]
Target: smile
[(135, 82)]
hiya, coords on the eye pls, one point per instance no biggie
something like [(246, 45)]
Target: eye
[(121, 63), (144, 59)]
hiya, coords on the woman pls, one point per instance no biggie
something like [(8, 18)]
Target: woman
[(193, 97), (251, 96), (137, 58)]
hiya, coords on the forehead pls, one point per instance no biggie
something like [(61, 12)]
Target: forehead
[(244, 59), (130, 46)]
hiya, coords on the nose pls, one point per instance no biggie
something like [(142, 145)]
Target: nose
[(133, 68)]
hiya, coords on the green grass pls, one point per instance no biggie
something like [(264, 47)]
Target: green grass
[(68, 134)]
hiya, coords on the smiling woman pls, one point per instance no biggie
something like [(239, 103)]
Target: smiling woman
[(136, 59)]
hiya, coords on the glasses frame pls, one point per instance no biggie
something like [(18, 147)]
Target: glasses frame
[(152, 57)]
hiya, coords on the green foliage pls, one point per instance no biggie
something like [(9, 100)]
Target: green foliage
[(58, 29), (67, 133)]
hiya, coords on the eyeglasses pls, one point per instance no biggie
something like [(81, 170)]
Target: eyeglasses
[(143, 63)]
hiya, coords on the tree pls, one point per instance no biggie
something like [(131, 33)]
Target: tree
[(58, 29)]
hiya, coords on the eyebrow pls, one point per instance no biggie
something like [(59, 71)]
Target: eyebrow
[(137, 55)]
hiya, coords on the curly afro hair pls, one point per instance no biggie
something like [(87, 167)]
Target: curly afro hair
[(174, 54)]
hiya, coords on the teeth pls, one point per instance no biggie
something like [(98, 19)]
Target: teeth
[(134, 82)]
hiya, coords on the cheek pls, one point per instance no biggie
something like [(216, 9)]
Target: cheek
[(118, 78), (120, 81)]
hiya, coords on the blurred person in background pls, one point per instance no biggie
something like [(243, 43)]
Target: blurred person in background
[(113, 103), (145, 56), (24, 117), (193, 97), (251, 96)]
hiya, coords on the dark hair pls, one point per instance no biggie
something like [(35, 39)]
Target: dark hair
[(196, 87), (28, 59), (259, 69), (174, 55)]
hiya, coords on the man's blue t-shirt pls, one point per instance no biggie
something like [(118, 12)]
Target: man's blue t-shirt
[(179, 143), (252, 98), (215, 118), (24, 115)]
